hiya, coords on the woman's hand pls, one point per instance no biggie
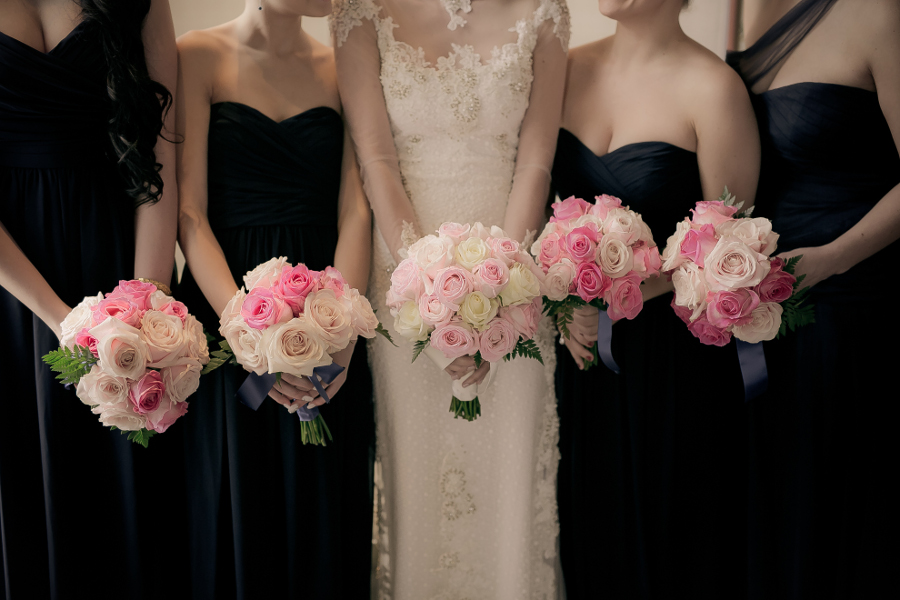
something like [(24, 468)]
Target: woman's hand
[(583, 334), (293, 391), (466, 364), (817, 264)]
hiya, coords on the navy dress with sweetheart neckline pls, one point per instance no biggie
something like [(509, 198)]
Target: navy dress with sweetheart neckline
[(271, 518), (652, 479)]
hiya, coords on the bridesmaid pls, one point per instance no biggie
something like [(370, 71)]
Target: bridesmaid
[(87, 197), (266, 171), (652, 481), (825, 76)]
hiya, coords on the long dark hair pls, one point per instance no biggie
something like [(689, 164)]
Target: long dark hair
[(138, 104)]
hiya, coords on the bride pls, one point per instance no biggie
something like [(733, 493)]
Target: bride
[(454, 110)]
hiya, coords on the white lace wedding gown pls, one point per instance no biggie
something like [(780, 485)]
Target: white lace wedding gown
[(466, 510)]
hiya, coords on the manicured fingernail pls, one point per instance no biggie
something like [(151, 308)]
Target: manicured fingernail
[(293, 408), (307, 398), (310, 405)]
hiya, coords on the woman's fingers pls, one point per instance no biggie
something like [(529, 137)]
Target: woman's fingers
[(579, 353), (460, 366), (300, 383), (280, 398), (479, 374)]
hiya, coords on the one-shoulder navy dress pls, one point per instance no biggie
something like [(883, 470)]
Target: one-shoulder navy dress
[(652, 478), (822, 457), (83, 511), (271, 518)]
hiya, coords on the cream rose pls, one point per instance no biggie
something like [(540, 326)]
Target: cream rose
[(361, 314), (233, 308), (245, 343), (409, 323), (690, 288), (477, 310), (120, 415), (331, 321), (614, 257), (165, 338), (121, 350), (181, 379), (432, 253), (763, 326), (78, 319), (559, 279), (101, 388), (266, 274), (671, 256), (756, 233), (294, 347), (471, 252), (624, 224), (195, 340), (733, 264), (523, 286), (158, 299)]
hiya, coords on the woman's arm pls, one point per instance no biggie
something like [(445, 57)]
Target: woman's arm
[(156, 225), (537, 140)]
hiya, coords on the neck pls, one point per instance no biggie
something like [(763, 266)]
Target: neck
[(647, 36), (271, 31)]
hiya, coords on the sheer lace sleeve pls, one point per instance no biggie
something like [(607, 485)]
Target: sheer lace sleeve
[(355, 30), (540, 127)]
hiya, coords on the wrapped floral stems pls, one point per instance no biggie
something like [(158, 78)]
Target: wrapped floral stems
[(728, 284), (595, 255), (291, 319), (135, 356), (467, 291)]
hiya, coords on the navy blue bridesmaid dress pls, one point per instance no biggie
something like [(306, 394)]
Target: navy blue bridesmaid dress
[(271, 518), (652, 478), (821, 499), (83, 511)]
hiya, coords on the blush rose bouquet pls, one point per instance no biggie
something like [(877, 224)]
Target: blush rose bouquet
[(291, 319), (467, 291), (595, 254), (135, 355), (727, 283)]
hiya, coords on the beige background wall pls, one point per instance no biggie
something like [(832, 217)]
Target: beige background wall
[(705, 20)]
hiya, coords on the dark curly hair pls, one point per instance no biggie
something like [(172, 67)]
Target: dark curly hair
[(138, 104)]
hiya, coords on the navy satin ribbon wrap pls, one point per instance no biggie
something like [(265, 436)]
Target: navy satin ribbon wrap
[(604, 342), (256, 387), (753, 368)]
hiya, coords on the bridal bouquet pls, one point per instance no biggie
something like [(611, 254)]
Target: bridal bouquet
[(134, 356), (726, 280), (290, 320), (467, 291), (595, 254)]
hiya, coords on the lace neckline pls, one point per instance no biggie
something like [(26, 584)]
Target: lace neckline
[(453, 7)]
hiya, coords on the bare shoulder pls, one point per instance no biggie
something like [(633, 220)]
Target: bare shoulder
[(322, 55), (879, 20), (708, 82), (204, 48), (584, 63)]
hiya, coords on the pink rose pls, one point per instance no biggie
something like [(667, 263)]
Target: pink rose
[(136, 291), (590, 282), (454, 339), (525, 318), (122, 309), (433, 311), (727, 308), (776, 287), (393, 300), (570, 208), (713, 213), (697, 243), (504, 249), (406, 280), (681, 312), (84, 338), (581, 243), (603, 204), (147, 392), (451, 286), (175, 308), (295, 284), (455, 231), (490, 277), (551, 250), (624, 297), (646, 260), (165, 414), (708, 333), (776, 264), (331, 279), (263, 308), (498, 340)]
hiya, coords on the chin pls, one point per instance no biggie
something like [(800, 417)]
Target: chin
[(300, 8), (617, 9)]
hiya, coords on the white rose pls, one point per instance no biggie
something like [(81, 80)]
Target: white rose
[(432, 253), (78, 319), (182, 379), (523, 286), (158, 299), (99, 387), (295, 348), (732, 264), (646, 234), (266, 274), (245, 343), (478, 310), (121, 415), (559, 279), (764, 325), (480, 231), (756, 233), (614, 257), (586, 220), (671, 256), (472, 252), (330, 319), (361, 314), (121, 350), (624, 224), (409, 323), (233, 308), (690, 288), (196, 346), (165, 338), (548, 229)]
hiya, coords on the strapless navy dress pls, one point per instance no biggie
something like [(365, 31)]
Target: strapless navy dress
[(83, 511), (652, 478), (271, 518), (821, 438)]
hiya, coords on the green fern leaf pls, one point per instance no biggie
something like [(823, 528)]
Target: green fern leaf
[(418, 348), (71, 364), (141, 437), (380, 329)]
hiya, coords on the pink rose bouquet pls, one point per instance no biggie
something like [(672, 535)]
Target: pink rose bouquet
[(468, 291), (726, 281), (595, 254), (134, 356), (291, 319)]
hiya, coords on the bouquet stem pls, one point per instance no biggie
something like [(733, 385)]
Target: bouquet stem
[(314, 432), (467, 410)]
